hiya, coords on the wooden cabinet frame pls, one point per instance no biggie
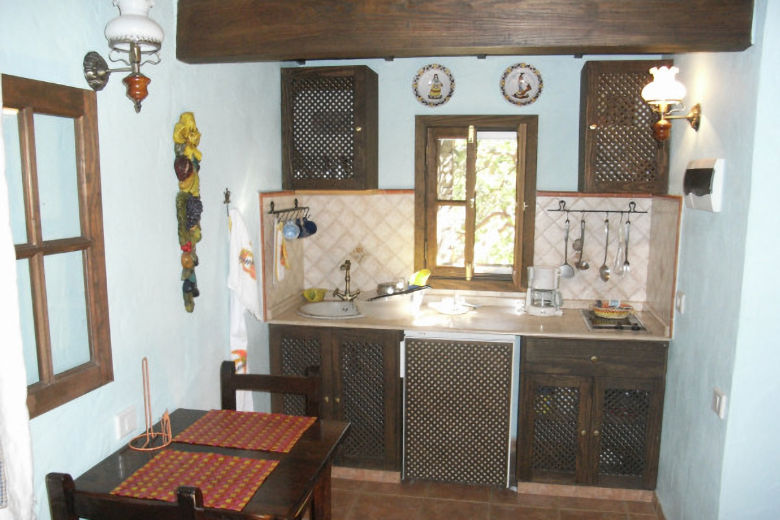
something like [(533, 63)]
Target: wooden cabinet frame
[(340, 398)]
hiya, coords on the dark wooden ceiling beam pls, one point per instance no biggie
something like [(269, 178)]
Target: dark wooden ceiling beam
[(277, 30)]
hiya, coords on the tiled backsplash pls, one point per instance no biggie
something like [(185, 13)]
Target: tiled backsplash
[(375, 230), (587, 285)]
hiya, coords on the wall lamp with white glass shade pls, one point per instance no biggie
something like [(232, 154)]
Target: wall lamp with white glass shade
[(134, 39), (664, 95)]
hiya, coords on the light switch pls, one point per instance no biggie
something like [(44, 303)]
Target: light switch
[(125, 422), (719, 403)]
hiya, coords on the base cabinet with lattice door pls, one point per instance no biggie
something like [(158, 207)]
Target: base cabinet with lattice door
[(618, 153), (457, 408), (590, 412), (360, 384), (329, 128)]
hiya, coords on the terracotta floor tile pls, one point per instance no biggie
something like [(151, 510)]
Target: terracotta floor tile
[(507, 496), (509, 512), (642, 508), (436, 509), (386, 507), (592, 504), (414, 488), (575, 514), (343, 483), (342, 502), (458, 491)]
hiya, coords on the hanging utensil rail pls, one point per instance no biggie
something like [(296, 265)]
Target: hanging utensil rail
[(630, 211), (287, 213)]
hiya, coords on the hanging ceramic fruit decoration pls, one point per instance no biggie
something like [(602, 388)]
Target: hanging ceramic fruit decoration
[(186, 138)]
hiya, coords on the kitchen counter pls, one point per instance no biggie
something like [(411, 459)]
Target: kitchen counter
[(486, 319)]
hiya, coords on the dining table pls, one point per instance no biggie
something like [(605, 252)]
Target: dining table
[(296, 479)]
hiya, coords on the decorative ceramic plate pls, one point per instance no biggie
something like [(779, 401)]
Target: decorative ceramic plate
[(521, 84), (433, 85)]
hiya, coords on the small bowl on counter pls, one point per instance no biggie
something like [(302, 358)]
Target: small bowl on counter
[(612, 312)]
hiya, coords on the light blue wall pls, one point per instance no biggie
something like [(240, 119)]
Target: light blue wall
[(750, 486), (694, 469), (237, 110)]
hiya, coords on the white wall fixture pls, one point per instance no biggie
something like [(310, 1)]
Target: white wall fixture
[(664, 95), (134, 39), (703, 184)]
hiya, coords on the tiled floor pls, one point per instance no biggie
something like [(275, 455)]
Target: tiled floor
[(361, 500)]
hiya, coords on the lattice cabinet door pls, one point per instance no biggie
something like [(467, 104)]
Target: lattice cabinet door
[(617, 150), (329, 128), (626, 431), (367, 394), (553, 439), (292, 351), (456, 411)]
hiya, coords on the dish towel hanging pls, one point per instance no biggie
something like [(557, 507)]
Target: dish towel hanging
[(242, 282), (16, 476)]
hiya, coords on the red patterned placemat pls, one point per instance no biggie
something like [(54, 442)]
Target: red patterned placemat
[(226, 482), (247, 430)]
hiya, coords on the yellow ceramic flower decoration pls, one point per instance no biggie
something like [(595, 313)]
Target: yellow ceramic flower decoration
[(186, 132)]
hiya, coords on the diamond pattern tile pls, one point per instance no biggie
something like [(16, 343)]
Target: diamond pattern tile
[(587, 285), (376, 232)]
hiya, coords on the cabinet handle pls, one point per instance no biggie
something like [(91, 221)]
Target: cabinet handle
[(326, 399), (596, 433), (358, 129), (583, 433), (594, 358), (338, 400), (593, 126)]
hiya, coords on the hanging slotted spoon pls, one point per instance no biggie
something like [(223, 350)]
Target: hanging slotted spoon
[(604, 271), (567, 271)]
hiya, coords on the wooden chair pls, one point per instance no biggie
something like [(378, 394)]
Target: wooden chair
[(60, 488), (307, 386)]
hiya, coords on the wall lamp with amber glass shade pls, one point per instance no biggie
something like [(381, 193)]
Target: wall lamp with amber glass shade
[(664, 95), (135, 39)]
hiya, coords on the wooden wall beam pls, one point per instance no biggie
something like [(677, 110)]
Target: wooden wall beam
[(211, 31)]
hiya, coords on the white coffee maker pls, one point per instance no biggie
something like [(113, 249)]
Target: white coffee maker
[(543, 297)]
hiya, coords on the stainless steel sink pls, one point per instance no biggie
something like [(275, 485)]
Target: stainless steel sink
[(331, 310)]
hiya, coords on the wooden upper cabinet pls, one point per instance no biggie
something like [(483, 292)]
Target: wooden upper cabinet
[(329, 128), (276, 30), (618, 153)]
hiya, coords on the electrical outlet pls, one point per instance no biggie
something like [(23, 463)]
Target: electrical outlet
[(679, 302), (125, 422), (719, 403)]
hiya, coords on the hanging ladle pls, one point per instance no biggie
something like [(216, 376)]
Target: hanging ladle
[(579, 245), (626, 266), (604, 271), (567, 271)]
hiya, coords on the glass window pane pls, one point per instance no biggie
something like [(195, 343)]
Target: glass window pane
[(27, 322), (496, 202), (55, 143), (13, 175), (67, 310), (451, 236), (451, 169)]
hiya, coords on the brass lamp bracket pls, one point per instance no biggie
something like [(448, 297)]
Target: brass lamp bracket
[(96, 70), (693, 116)]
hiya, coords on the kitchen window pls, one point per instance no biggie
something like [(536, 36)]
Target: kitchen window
[(53, 173), (475, 196)]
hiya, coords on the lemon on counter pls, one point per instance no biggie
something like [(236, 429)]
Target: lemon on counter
[(314, 295), (420, 277)]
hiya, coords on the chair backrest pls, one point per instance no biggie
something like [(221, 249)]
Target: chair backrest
[(60, 488), (230, 382)]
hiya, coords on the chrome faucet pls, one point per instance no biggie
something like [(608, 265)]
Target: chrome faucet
[(346, 295)]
